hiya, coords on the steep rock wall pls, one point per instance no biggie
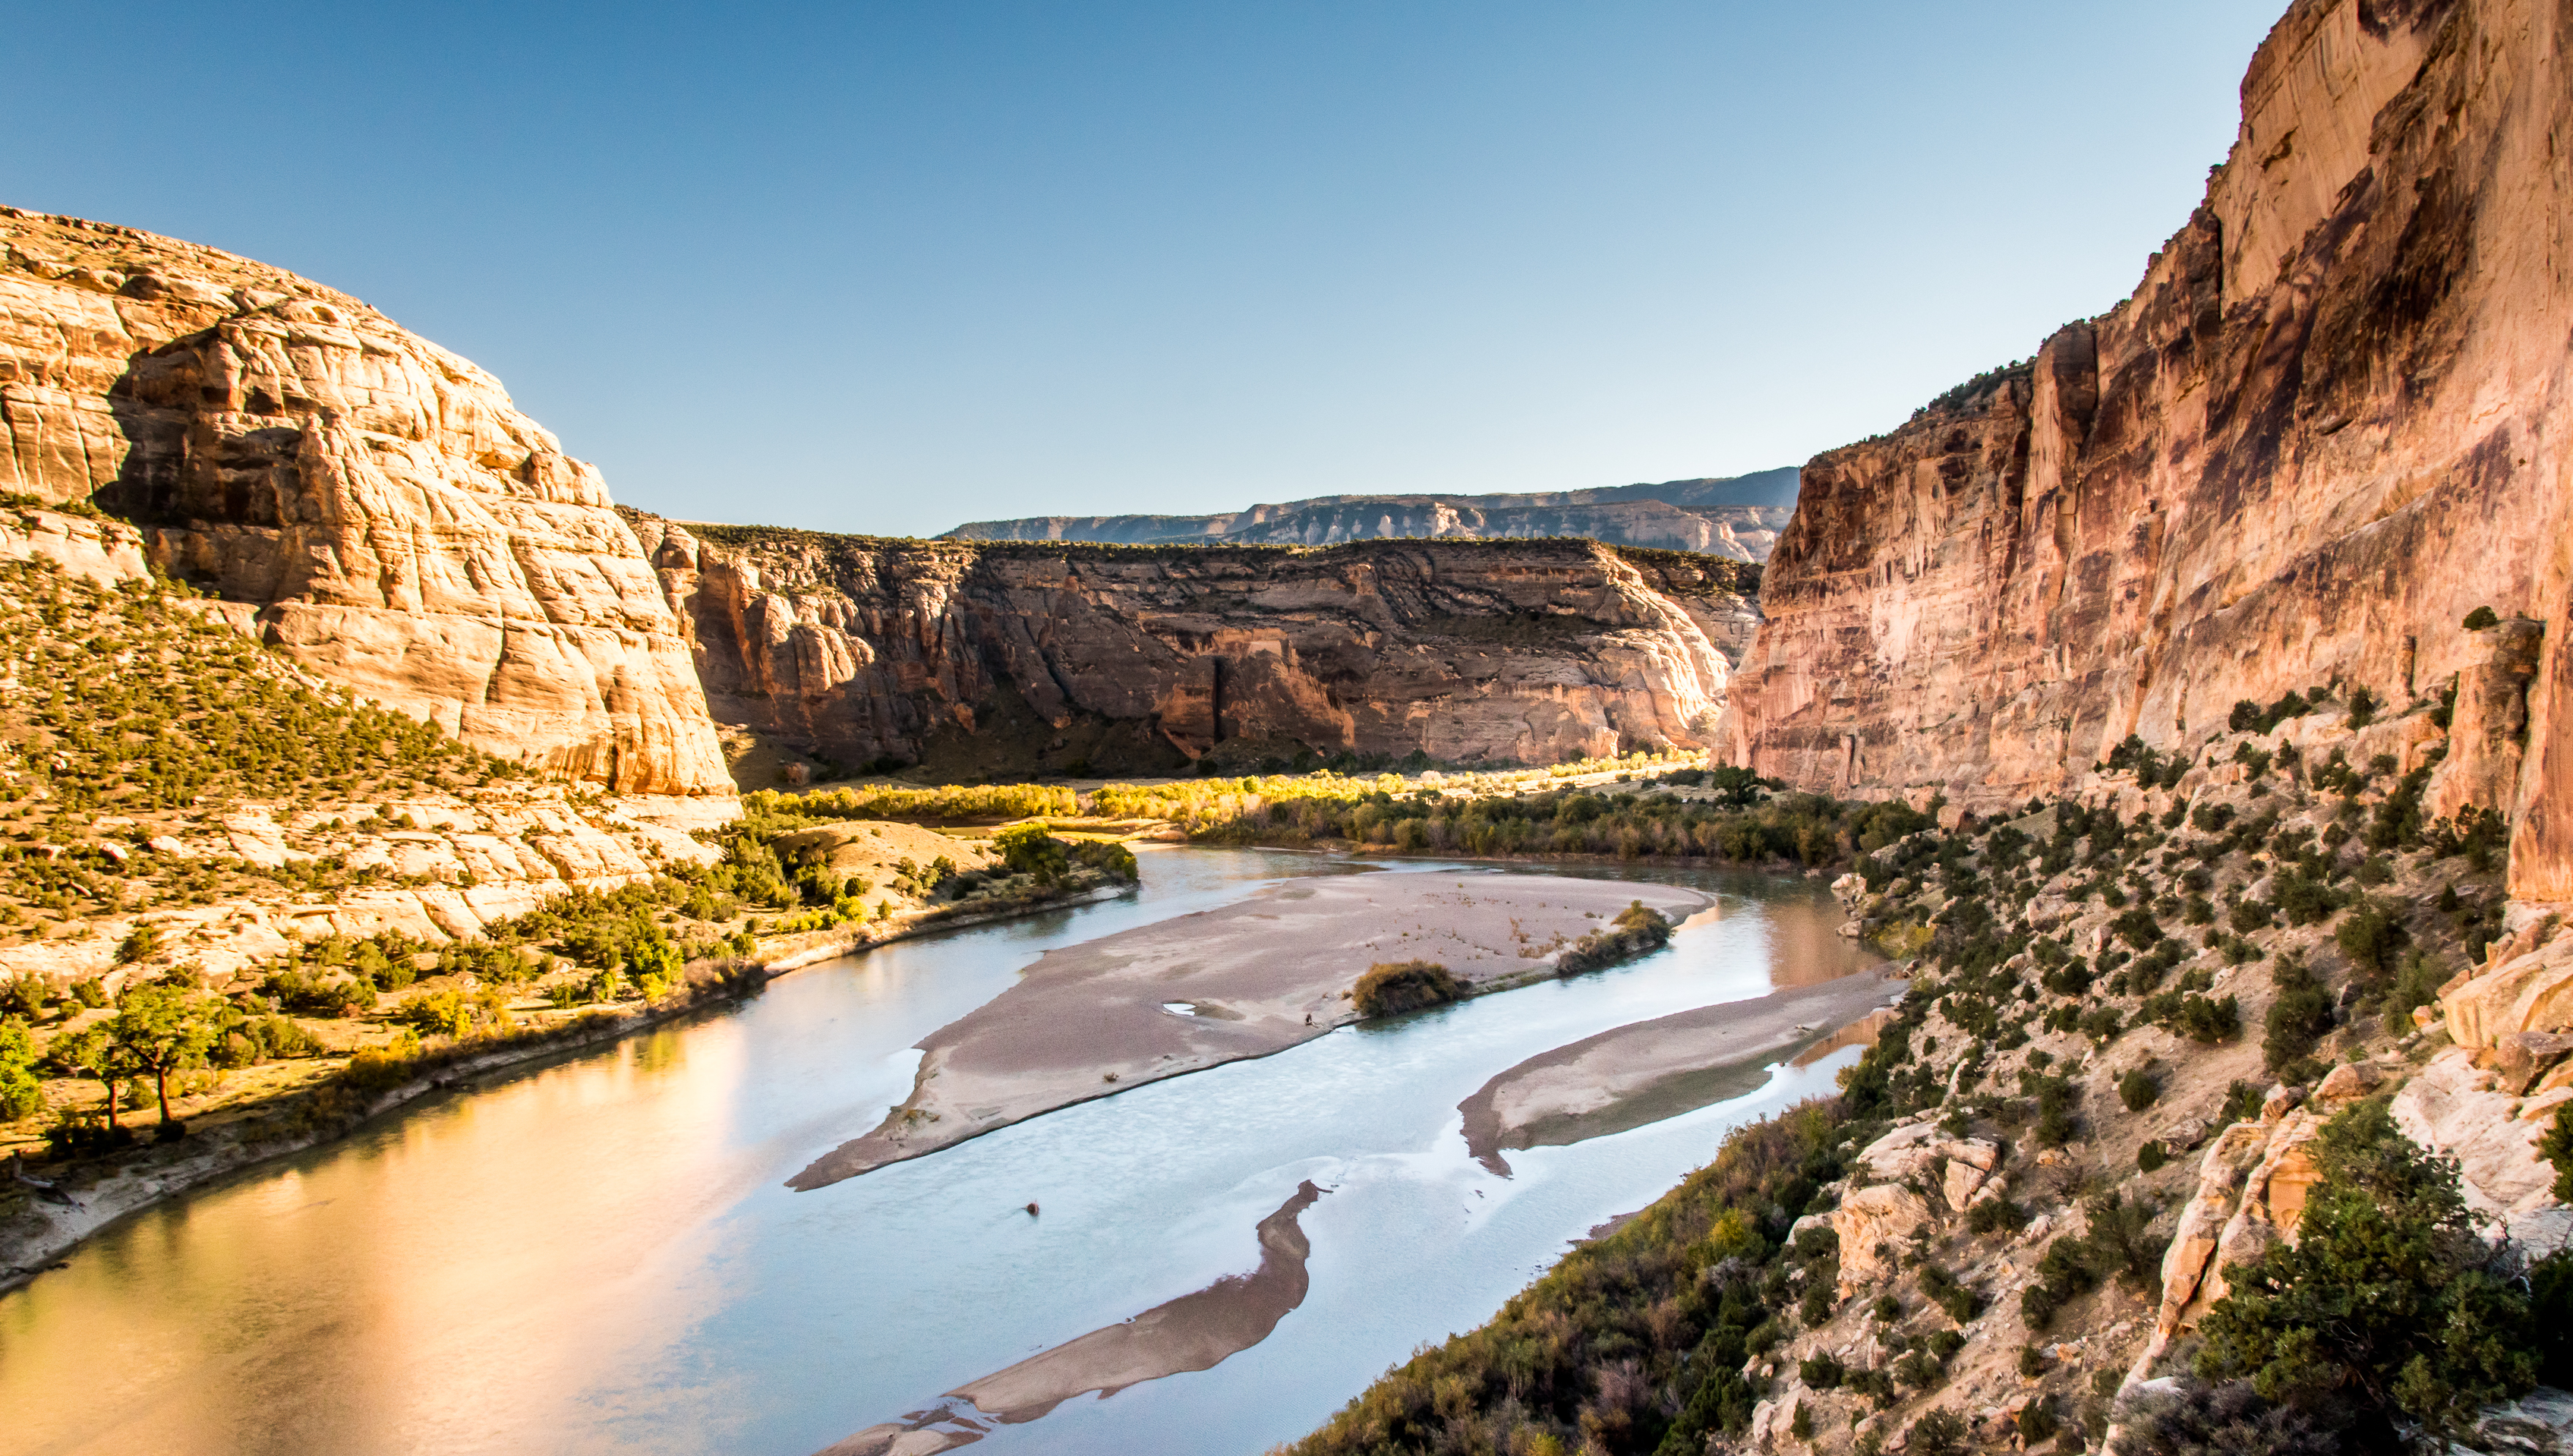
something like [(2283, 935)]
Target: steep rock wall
[(1009, 657), (392, 522), (2329, 424)]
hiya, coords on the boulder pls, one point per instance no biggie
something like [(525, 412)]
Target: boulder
[(1884, 1215)]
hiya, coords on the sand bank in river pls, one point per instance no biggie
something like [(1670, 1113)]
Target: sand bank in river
[(1252, 978), (1192, 1332), (1633, 1075)]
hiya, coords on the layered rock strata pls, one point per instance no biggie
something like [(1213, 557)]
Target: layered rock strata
[(2327, 425), (374, 504), (1004, 657), (1736, 516)]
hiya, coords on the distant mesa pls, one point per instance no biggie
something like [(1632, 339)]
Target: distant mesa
[(1736, 516)]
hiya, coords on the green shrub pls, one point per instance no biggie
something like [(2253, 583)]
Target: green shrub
[(2480, 618), (1960, 1303), (22, 996), (1636, 930), (1393, 987), (21, 1094), (2150, 1157), (2241, 1103), (2557, 1148), (1996, 1215), (2388, 1304), (2139, 1090), (2221, 1420), (2300, 1016), (2369, 936)]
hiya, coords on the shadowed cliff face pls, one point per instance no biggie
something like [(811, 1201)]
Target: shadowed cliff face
[(1008, 658), (2327, 426), (367, 503)]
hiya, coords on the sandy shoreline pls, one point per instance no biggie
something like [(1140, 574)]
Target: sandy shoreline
[(1246, 980), (1631, 1076)]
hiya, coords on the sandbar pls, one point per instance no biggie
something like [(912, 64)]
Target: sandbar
[(1641, 1073), (1196, 1331), (1246, 980)]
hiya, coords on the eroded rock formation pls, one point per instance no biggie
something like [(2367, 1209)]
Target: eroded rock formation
[(1737, 517), (998, 657), (376, 506), (2327, 425)]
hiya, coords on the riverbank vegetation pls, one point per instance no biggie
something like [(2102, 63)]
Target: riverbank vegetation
[(316, 1034), (2102, 987), (1391, 988), (1637, 929)]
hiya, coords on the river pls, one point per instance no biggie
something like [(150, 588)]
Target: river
[(599, 1254)]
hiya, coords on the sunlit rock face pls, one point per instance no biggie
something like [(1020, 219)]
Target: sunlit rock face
[(374, 505), (1015, 657), (2329, 425)]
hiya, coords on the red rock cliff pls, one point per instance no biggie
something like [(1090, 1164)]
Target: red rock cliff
[(373, 503), (1009, 657), (2330, 422)]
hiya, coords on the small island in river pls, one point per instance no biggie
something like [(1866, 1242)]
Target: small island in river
[(1247, 980), (1630, 1076)]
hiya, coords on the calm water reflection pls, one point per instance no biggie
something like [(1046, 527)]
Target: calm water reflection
[(597, 1256)]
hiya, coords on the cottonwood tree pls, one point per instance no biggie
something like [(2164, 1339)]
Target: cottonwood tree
[(160, 1030), (92, 1053)]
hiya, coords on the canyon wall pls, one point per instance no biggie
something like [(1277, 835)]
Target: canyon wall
[(998, 658), (369, 504), (1735, 516), (2329, 425)]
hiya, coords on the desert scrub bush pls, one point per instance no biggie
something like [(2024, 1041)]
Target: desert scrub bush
[(2389, 1305), (2370, 935), (22, 1094), (1637, 929), (1393, 987), (145, 704), (2297, 1018), (1960, 1303), (2120, 1245), (1996, 1215), (2139, 1090)]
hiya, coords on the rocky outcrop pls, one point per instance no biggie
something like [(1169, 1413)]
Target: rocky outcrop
[(460, 864), (1871, 1226), (2327, 426), (389, 520), (1736, 517), (986, 657)]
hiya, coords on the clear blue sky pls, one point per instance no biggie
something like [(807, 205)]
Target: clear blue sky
[(891, 267)]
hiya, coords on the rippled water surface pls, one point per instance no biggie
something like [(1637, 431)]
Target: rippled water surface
[(598, 1254)]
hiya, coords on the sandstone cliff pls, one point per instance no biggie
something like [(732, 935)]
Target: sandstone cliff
[(987, 657), (2326, 428), (373, 503)]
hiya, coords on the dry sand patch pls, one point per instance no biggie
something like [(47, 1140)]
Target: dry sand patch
[(1643, 1072), (1249, 978)]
